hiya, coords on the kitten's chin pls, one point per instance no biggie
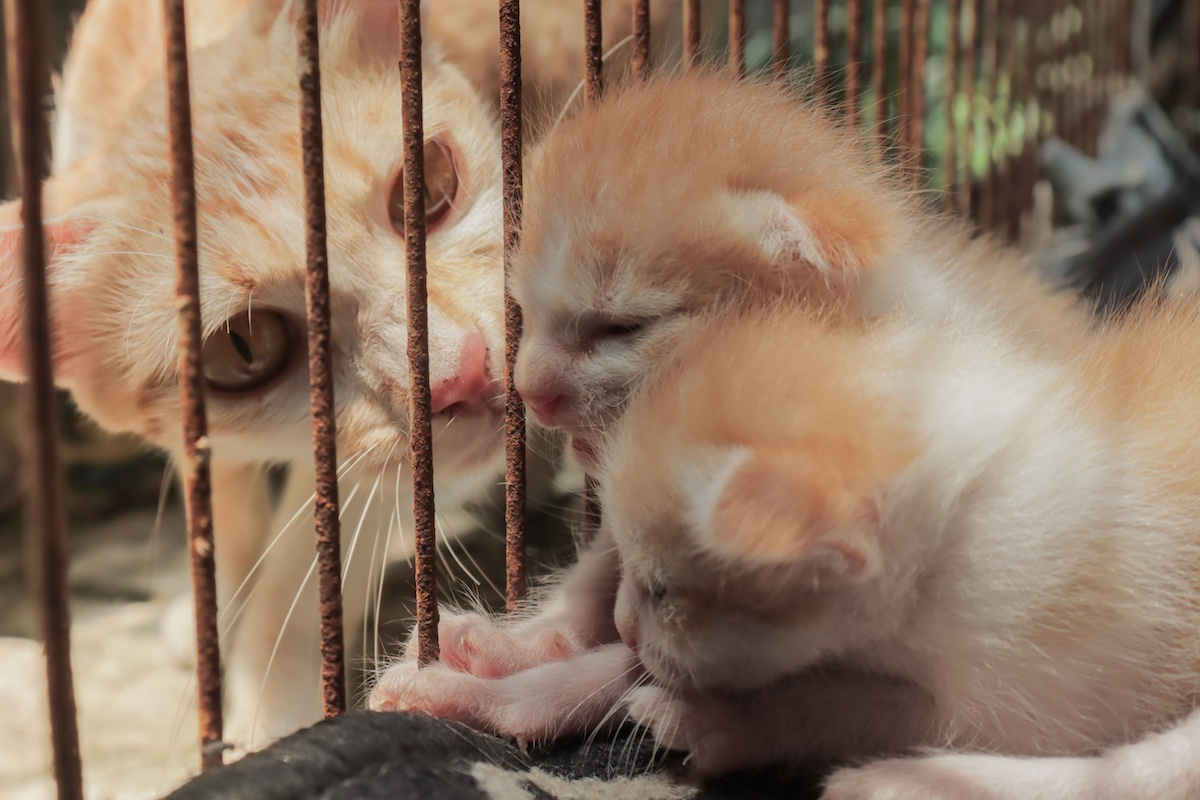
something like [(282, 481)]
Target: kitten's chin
[(586, 453)]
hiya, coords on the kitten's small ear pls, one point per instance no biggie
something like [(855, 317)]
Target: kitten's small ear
[(62, 234), (786, 511), (815, 231)]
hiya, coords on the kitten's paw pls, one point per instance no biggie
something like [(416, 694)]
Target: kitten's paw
[(702, 727), (477, 644), (435, 690)]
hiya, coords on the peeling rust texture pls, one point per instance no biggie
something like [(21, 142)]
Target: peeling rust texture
[(987, 200), (418, 331), (320, 370), (950, 198), (515, 580), (196, 477), (879, 71), (640, 61), (691, 32), (821, 48), (46, 534), (737, 37), (593, 33), (916, 80), (780, 53), (854, 61)]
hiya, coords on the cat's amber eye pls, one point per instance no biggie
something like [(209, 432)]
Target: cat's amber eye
[(248, 352), (441, 187)]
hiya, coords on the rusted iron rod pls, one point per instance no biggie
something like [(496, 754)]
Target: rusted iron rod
[(420, 414), (781, 45), (916, 103), (196, 448), (691, 32), (516, 583), (821, 47), (320, 369), (46, 534), (987, 200), (737, 37), (854, 60), (970, 73), (593, 48), (904, 82), (640, 61)]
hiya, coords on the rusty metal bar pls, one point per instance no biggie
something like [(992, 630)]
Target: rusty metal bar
[(737, 37), (593, 48), (196, 449), (879, 70), (916, 103), (691, 32), (320, 369), (950, 200), (969, 71), (781, 45), (821, 47), (640, 61), (420, 414), (854, 61), (1002, 179), (46, 534), (516, 582)]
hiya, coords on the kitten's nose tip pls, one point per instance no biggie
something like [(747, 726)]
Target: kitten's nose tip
[(544, 406), (470, 386)]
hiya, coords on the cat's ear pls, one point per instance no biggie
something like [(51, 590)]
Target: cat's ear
[(786, 511), (64, 234), (836, 234), (371, 27)]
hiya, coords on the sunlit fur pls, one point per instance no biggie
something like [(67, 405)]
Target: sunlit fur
[(112, 277), (696, 192)]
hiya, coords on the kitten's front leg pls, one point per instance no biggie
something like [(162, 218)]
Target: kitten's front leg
[(547, 701), (813, 718), (1165, 766), (577, 616)]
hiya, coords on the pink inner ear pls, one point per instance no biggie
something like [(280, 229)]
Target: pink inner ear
[(62, 235)]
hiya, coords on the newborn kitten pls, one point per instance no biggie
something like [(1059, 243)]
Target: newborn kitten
[(112, 289), (842, 538), (695, 193)]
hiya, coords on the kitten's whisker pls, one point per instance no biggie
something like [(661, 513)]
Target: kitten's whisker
[(579, 86)]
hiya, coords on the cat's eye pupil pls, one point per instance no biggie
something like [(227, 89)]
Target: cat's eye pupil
[(244, 354), (242, 347), (439, 191)]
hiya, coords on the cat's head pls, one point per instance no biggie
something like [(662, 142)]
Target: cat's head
[(743, 489), (112, 269), (668, 199)]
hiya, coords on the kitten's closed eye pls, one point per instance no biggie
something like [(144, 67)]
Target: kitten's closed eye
[(245, 354), (441, 187), (617, 330)]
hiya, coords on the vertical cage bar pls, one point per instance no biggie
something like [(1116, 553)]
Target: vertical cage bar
[(950, 199), (420, 414), (320, 369), (916, 103), (640, 60), (593, 38), (781, 46), (45, 535), (879, 70), (821, 47), (516, 582), (691, 32), (196, 450), (1002, 179), (737, 37), (854, 61)]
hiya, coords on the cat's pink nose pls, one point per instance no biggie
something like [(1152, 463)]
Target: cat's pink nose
[(469, 388), (545, 406)]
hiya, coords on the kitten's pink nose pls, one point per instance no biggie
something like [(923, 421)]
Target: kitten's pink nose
[(545, 405), (469, 388)]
